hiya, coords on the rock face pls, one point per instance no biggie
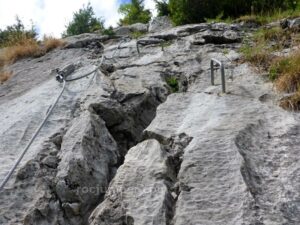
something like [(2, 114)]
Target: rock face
[(160, 24), (290, 23), (122, 148), (127, 30)]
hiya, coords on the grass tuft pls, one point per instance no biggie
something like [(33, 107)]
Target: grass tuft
[(4, 76), (25, 47), (49, 43), (286, 71), (291, 103), (136, 34)]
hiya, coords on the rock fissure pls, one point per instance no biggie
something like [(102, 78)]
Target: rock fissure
[(116, 209)]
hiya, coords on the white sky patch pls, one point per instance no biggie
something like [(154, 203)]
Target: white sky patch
[(150, 4), (51, 16)]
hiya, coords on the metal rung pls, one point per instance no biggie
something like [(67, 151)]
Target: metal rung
[(212, 68)]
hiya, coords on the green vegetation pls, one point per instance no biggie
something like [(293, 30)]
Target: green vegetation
[(16, 33), (268, 17), (136, 34), (195, 11), (134, 12), (165, 44), (173, 83), (20, 43), (84, 21), (109, 31), (162, 7), (220, 18), (284, 71), (258, 49)]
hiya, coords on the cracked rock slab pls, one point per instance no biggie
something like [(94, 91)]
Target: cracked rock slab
[(139, 193)]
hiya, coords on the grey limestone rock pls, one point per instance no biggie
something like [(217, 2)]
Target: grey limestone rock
[(127, 30), (290, 23), (160, 24), (147, 139)]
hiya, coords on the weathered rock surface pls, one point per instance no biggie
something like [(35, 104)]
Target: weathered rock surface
[(160, 24), (127, 30), (290, 23), (121, 148)]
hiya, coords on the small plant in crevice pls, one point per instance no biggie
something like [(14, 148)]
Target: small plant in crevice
[(165, 44), (136, 34), (173, 84)]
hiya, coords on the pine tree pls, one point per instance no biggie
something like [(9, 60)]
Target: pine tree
[(134, 12), (84, 21)]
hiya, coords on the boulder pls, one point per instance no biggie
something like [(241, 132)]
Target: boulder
[(127, 30), (220, 37), (290, 23), (86, 40)]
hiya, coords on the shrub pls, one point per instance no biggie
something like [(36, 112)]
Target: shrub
[(49, 43), (134, 12), (16, 33), (195, 11), (109, 31), (84, 21), (162, 7)]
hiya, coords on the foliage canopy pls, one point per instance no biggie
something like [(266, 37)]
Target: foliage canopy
[(134, 12), (195, 11), (84, 21), (16, 33)]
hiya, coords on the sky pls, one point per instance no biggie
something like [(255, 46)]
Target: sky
[(51, 16)]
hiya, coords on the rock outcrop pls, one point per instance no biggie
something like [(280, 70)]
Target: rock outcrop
[(122, 148)]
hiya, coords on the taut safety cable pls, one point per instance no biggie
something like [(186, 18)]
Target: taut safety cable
[(62, 78)]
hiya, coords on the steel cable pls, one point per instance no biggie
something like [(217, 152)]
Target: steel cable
[(63, 80)]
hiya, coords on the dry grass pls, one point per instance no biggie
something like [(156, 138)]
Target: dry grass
[(259, 49), (257, 54), (4, 76), (2, 62), (49, 43), (288, 72), (249, 19), (266, 18), (291, 103), (25, 47), (285, 71), (28, 48)]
